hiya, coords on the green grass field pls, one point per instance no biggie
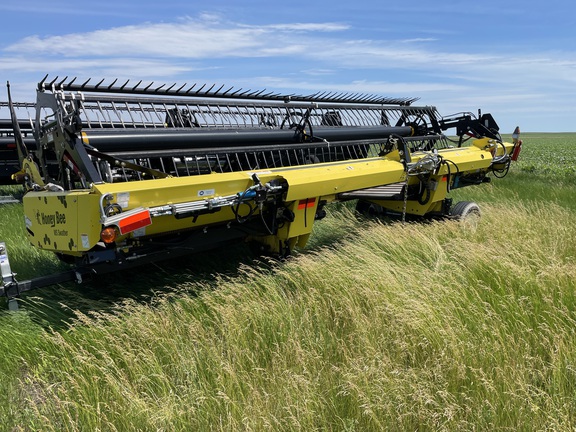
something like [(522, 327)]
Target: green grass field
[(376, 326)]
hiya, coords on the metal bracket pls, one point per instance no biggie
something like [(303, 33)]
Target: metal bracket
[(5, 270)]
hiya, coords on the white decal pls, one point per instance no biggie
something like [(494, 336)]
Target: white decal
[(122, 199), (206, 192), (139, 232)]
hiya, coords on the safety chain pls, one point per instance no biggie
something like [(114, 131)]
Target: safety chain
[(405, 198)]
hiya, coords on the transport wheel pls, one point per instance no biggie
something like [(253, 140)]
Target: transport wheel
[(366, 208), (464, 210)]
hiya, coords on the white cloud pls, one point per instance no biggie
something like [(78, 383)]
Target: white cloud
[(108, 67), (189, 39), (204, 38), (418, 40), (307, 27), (311, 56), (210, 37)]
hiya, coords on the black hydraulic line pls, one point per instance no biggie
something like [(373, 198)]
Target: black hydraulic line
[(425, 190), (447, 162), (156, 139)]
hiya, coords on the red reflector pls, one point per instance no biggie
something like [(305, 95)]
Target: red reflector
[(135, 221), (11, 146), (445, 178), (307, 203)]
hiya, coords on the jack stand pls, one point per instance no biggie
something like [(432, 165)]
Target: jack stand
[(13, 304), (6, 277)]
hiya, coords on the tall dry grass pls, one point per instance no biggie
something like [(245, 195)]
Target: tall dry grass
[(439, 326), (378, 326)]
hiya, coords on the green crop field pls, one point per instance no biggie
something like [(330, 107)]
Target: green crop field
[(378, 325)]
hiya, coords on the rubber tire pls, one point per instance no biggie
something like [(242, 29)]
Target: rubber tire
[(368, 209), (464, 209)]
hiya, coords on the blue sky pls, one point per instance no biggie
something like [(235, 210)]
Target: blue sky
[(515, 59)]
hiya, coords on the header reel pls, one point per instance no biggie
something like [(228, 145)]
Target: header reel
[(109, 133)]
